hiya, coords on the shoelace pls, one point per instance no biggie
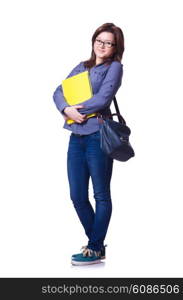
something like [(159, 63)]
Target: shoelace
[(89, 252)]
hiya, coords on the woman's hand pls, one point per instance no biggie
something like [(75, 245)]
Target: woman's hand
[(72, 113), (65, 117)]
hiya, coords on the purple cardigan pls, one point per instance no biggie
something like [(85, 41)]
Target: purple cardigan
[(105, 81)]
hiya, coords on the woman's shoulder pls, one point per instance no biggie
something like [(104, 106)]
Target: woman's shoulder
[(77, 69), (79, 66), (116, 64), (116, 67)]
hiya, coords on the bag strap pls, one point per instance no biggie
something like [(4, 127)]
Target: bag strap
[(120, 117)]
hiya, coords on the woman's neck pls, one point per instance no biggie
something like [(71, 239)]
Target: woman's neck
[(99, 61)]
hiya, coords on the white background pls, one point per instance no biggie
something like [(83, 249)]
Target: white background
[(41, 42)]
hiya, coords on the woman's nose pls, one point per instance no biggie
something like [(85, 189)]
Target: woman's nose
[(102, 46)]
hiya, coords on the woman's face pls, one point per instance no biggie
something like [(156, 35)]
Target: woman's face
[(103, 51)]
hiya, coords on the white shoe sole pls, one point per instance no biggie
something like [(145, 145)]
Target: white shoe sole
[(84, 263)]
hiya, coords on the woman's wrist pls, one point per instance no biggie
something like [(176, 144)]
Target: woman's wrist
[(64, 111)]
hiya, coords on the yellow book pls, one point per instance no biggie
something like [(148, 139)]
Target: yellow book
[(77, 89)]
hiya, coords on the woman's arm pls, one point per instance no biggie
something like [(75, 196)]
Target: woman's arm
[(107, 91), (59, 99), (58, 96)]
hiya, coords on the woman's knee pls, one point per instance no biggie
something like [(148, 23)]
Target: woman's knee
[(102, 196)]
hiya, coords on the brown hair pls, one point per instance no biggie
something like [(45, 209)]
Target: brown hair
[(119, 41)]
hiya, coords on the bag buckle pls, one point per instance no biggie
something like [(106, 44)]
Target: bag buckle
[(99, 118)]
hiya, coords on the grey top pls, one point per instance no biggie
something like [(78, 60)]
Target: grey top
[(105, 80)]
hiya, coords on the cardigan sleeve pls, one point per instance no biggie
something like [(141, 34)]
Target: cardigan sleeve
[(107, 91), (58, 96)]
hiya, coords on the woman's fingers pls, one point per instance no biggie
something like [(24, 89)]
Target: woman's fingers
[(78, 106), (72, 113), (81, 118)]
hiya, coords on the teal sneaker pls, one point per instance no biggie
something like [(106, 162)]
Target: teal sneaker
[(88, 257), (103, 254)]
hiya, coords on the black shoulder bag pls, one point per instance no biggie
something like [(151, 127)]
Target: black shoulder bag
[(114, 136)]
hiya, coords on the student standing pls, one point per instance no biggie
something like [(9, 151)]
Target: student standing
[(85, 158)]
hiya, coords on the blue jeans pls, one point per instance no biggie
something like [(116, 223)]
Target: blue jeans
[(85, 159)]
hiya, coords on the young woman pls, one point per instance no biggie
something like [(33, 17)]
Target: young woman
[(85, 159)]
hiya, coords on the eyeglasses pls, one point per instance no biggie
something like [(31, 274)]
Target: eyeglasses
[(106, 44)]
